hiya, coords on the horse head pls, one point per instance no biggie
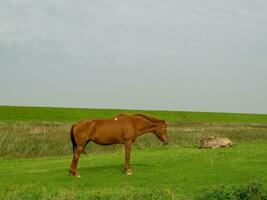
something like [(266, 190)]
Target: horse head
[(161, 132)]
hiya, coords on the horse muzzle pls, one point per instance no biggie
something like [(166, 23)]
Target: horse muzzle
[(165, 142)]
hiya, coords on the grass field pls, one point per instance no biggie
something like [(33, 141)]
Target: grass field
[(35, 155), (162, 173), (13, 113)]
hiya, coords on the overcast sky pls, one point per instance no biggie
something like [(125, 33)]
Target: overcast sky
[(167, 55)]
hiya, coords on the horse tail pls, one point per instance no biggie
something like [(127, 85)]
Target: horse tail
[(74, 144)]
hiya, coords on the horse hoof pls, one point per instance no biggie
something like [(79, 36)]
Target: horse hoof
[(75, 174), (128, 173)]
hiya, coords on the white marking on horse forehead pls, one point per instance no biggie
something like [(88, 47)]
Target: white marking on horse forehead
[(116, 118)]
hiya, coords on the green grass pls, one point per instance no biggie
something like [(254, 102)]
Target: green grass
[(35, 154), (15, 113), (159, 173)]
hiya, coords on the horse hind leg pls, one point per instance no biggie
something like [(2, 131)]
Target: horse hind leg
[(76, 156), (81, 140), (83, 152), (75, 160)]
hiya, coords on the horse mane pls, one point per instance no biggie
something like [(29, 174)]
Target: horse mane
[(122, 115), (152, 119)]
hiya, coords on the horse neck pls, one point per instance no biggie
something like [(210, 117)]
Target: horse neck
[(144, 126)]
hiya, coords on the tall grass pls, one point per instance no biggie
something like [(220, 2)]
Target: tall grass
[(33, 139)]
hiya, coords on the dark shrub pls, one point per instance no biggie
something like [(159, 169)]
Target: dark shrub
[(252, 191)]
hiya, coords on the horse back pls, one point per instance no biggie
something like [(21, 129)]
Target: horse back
[(113, 130)]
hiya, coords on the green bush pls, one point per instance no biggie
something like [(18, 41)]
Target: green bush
[(252, 191)]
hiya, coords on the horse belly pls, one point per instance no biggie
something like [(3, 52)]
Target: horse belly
[(107, 142), (107, 137)]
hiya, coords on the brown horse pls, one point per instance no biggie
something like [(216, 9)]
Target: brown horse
[(122, 129)]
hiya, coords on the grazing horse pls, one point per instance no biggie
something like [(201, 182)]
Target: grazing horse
[(122, 129)]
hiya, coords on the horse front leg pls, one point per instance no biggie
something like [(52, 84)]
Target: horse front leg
[(127, 167)]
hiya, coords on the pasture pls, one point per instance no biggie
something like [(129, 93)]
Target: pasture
[(35, 154), (158, 173), (39, 114)]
